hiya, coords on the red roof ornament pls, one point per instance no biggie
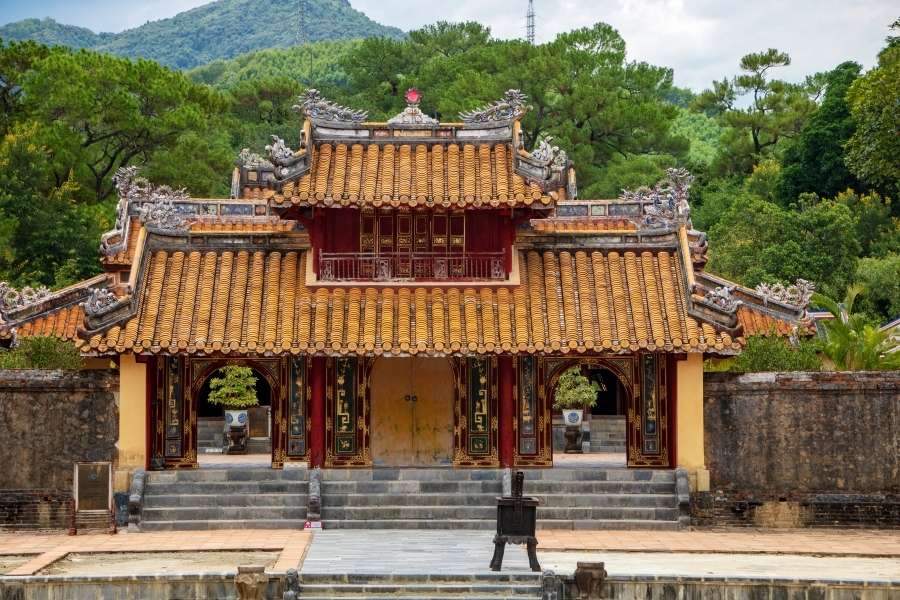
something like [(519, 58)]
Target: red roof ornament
[(413, 96)]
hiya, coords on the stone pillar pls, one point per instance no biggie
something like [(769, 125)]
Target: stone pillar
[(132, 445), (317, 412), (507, 409)]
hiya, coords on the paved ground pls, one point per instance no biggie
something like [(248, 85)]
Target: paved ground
[(291, 545), (407, 552), (850, 554), (732, 566), (835, 542)]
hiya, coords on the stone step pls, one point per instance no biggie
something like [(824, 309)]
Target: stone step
[(528, 578), (411, 487), (400, 513), (536, 488), (200, 500), (412, 474), (482, 524), (445, 513), (223, 513), (413, 596), (212, 475), (549, 500), (191, 525), (611, 524), (616, 474), (418, 590), (228, 487)]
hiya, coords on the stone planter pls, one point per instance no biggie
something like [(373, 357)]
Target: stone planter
[(573, 418), (236, 431)]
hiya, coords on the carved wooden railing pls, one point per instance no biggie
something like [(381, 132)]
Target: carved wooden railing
[(400, 266)]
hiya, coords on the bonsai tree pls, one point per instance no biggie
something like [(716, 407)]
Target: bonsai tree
[(574, 390), (235, 389)]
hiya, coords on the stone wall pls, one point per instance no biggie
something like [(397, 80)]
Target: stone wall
[(801, 449), (48, 421)]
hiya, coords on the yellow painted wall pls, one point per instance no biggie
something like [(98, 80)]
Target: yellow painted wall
[(690, 420), (132, 446), (412, 433)]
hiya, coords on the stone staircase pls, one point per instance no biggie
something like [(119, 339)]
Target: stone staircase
[(577, 498), (197, 499), (419, 587), (410, 498), (604, 498), (210, 431), (607, 434)]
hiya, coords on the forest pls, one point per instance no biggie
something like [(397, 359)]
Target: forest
[(792, 179)]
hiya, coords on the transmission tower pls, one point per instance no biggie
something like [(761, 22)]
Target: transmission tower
[(529, 23)]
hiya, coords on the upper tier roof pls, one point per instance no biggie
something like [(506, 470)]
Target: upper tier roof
[(409, 160)]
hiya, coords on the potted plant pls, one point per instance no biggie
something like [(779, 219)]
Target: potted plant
[(235, 390), (574, 393)]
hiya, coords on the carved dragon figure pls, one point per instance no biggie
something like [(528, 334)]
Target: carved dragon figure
[(512, 106), (99, 299), (315, 106), (796, 294), (723, 298), (666, 203), (13, 299), (546, 152)]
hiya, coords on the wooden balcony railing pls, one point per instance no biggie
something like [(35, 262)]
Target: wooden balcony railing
[(400, 266)]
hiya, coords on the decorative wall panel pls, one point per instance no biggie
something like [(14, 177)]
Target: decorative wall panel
[(475, 429), (533, 415), (296, 409), (347, 413), (175, 421)]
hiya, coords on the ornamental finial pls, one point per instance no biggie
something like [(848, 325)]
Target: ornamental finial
[(511, 107)]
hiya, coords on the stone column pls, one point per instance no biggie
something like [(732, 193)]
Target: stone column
[(317, 412), (507, 405), (132, 446), (689, 414)]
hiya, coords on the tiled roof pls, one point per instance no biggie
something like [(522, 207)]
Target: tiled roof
[(583, 224), (397, 174), (242, 225), (61, 322), (256, 301), (756, 322)]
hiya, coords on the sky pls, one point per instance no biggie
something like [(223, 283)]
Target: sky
[(701, 40)]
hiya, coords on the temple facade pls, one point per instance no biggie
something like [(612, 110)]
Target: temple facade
[(409, 291)]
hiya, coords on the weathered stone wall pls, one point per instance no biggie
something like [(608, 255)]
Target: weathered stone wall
[(801, 449), (48, 421)]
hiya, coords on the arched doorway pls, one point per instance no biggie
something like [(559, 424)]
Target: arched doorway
[(211, 417), (606, 420), (412, 402)]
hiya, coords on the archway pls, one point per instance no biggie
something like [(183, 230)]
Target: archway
[(211, 417), (606, 421), (412, 402)]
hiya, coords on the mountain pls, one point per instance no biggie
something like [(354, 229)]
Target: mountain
[(219, 30)]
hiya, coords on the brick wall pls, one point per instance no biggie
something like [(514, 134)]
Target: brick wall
[(801, 449), (48, 421)]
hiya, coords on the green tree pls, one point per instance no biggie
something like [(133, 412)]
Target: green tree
[(42, 352), (574, 390), (880, 277), (814, 162), (772, 353), (235, 389), (874, 147), (96, 113), (776, 110), (852, 342)]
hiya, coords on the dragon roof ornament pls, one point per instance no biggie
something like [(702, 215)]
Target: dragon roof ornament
[(99, 300), (156, 206), (666, 203), (316, 107), (511, 107), (722, 297), (796, 294), (12, 299), (548, 153), (252, 160)]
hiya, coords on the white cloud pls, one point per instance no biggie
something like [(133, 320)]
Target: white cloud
[(701, 39)]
